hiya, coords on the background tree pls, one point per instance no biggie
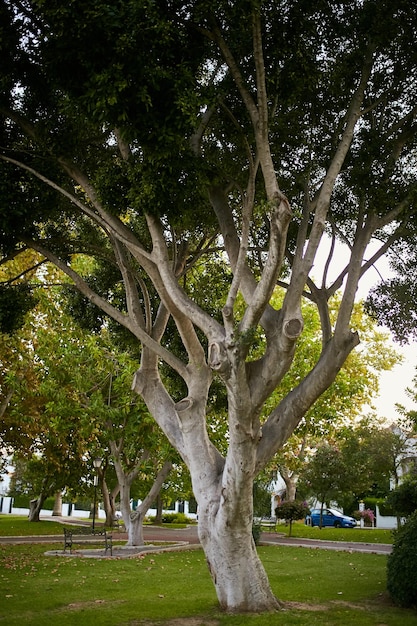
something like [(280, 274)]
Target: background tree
[(151, 135), (76, 393), (336, 411), (403, 499), (30, 427), (326, 475), (18, 276), (370, 449), (370, 455)]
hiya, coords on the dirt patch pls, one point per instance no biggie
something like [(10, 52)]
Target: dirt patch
[(76, 606), (184, 621), (286, 606), (191, 621), (301, 606)]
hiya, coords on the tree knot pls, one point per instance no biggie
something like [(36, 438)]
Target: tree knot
[(293, 327), (184, 405), (217, 357)]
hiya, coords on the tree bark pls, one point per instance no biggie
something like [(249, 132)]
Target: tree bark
[(135, 531), (132, 533), (238, 575), (108, 503), (35, 508), (159, 508), (290, 479), (57, 504), (222, 486)]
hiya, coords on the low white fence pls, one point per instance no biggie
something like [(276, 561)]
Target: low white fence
[(69, 510)]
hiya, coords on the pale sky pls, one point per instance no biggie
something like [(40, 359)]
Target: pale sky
[(393, 383)]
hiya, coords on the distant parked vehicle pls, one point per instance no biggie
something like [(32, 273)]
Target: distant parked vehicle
[(330, 517)]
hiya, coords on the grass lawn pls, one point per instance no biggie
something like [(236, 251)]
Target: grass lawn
[(367, 535), (19, 526), (319, 587)]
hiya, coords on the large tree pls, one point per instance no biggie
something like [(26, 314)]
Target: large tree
[(152, 135)]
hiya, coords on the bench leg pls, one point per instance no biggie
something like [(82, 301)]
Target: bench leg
[(68, 543), (108, 541)]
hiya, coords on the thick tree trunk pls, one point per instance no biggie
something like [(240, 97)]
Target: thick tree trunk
[(125, 506), (57, 512), (35, 508), (238, 575), (133, 520), (135, 532), (223, 488), (225, 532), (159, 508), (108, 503), (290, 485), (226, 515)]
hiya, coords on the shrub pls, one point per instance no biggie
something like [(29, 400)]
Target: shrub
[(21, 501), (48, 505), (291, 510), (82, 505), (385, 508), (173, 518), (368, 516), (402, 565)]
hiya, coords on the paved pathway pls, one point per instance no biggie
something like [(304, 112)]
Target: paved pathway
[(189, 536), (347, 546)]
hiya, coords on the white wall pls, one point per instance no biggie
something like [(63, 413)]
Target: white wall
[(388, 522), (6, 506)]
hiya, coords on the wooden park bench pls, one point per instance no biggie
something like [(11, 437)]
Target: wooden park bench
[(87, 536)]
